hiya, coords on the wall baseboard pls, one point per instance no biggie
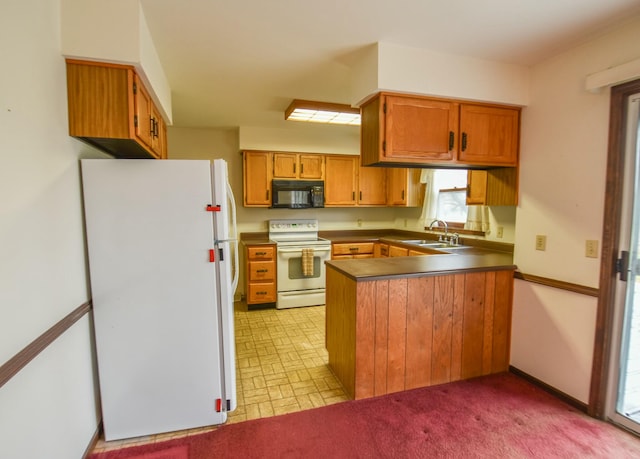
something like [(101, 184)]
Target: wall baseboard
[(577, 404)]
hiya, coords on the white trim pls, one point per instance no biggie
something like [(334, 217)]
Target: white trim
[(613, 75)]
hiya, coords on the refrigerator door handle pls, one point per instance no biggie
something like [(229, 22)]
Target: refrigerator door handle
[(233, 225)]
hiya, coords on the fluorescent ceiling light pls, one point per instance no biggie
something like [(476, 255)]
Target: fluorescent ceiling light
[(322, 112)]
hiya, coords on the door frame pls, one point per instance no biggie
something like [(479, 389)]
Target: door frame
[(610, 246)]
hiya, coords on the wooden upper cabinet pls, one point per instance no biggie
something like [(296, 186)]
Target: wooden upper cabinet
[(256, 178), (111, 109), (489, 135), (285, 165), (158, 134), (341, 180), (142, 119), (401, 129), (312, 167), (298, 166), (372, 186), (494, 187), (419, 128), (404, 188)]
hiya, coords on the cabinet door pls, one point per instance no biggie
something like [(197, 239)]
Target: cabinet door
[(420, 129), (340, 181), (489, 135), (142, 112), (285, 165), (372, 184), (312, 167), (158, 133), (395, 251), (494, 187), (476, 187), (257, 175), (404, 188)]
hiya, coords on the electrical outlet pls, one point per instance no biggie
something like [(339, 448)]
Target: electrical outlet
[(500, 232), (541, 242), (591, 249), (359, 222)]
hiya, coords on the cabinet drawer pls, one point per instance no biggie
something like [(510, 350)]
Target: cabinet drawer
[(353, 249), (262, 293), (260, 253), (262, 271)]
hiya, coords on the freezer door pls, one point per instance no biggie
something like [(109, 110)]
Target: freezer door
[(155, 294)]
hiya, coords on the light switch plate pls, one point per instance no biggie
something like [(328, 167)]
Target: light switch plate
[(541, 242), (591, 249)]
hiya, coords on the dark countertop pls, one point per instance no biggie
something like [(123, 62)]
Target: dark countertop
[(478, 256), (468, 260)]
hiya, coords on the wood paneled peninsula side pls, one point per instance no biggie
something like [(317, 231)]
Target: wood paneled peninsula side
[(395, 324)]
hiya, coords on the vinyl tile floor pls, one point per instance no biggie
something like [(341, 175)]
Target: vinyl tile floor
[(281, 367)]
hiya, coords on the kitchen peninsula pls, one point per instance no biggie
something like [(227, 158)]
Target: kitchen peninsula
[(395, 324)]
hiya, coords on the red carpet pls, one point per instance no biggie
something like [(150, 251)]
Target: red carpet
[(499, 416)]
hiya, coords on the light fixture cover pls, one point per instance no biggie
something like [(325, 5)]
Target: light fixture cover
[(322, 112)]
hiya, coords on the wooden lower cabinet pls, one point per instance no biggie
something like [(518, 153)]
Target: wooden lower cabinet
[(346, 250), (260, 274), (391, 335), (397, 251)]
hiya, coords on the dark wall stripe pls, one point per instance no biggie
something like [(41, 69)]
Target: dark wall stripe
[(22, 358), (557, 284)]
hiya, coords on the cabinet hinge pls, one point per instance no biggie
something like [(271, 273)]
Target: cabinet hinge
[(135, 88), (384, 108), (384, 145), (135, 120)]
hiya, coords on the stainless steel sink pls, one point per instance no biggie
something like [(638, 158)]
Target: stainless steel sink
[(442, 245), (431, 244), (419, 241)]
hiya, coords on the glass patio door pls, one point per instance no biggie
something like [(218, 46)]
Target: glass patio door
[(624, 399)]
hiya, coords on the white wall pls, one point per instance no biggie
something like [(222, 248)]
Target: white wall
[(422, 71), (49, 408), (562, 187), (115, 31)]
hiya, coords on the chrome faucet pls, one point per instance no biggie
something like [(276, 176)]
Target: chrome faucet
[(446, 229)]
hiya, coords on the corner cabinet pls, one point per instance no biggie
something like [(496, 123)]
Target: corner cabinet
[(110, 108), (401, 130)]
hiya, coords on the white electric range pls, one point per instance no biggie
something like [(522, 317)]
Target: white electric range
[(296, 286)]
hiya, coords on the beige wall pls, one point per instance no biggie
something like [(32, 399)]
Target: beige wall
[(49, 408), (562, 185)]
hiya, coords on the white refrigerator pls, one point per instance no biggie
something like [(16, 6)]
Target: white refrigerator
[(161, 242)]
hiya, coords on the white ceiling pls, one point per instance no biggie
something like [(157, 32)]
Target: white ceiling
[(241, 62)]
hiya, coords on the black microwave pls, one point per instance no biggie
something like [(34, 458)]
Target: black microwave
[(297, 194)]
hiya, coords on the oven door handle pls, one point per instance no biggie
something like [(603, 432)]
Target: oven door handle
[(300, 250)]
